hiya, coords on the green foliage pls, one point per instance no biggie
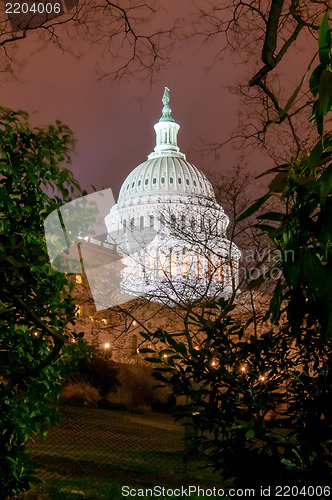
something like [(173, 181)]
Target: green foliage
[(262, 404), (304, 230), (235, 382), (35, 301)]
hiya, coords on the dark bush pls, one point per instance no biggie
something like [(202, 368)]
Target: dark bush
[(100, 373)]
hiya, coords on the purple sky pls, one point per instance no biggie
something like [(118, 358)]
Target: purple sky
[(113, 121)]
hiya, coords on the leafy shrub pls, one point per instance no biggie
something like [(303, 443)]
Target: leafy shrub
[(80, 393), (95, 370), (102, 374), (234, 382)]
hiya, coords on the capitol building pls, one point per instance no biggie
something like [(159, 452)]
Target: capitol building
[(169, 229)]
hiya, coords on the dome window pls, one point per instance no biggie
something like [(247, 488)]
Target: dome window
[(139, 182), (195, 183), (154, 181), (163, 180), (133, 184), (127, 187), (171, 180), (201, 185), (187, 181), (146, 181), (179, 180)]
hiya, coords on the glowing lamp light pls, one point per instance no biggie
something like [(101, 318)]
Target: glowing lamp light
[(243, 369), (262, 378), (107, 345), (213, 363), (35, 334), (196, 347), (165, 356)]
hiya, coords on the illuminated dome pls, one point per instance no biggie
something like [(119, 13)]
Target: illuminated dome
[(165, 175), (169, 228)]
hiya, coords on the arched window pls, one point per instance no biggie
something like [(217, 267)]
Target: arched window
[(141, 222), (171, 180), (151, 218), (179, 180), (197, 265), (154, 181), (163, 180), (162, 266), (146, 182), (184, 264), (133, 184), (210, 269), (173, 263), (187, 181), (139, 182), (151, 262)]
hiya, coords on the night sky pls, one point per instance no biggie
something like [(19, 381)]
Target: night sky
[(113, 121)]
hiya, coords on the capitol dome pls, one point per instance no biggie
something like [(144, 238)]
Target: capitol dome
[(169, 228), (165, 175)]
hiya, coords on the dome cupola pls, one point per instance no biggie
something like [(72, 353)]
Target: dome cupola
[(166, 171)]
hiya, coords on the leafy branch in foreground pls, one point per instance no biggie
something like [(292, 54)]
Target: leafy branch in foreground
[(261, 400), (35, 300)]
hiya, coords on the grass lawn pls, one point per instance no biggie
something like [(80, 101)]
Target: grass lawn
[(93, 453)]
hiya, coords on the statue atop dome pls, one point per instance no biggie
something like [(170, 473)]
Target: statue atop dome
[(166, 98), (167, 112)]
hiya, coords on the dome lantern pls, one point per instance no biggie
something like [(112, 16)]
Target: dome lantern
[(166, 132)]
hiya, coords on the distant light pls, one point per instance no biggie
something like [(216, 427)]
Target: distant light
[(213, 363), (196, 347), (243, 368), (107, 345), (262, 378), (35, 334), (134, 323), (104, 320), (165, 356)]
